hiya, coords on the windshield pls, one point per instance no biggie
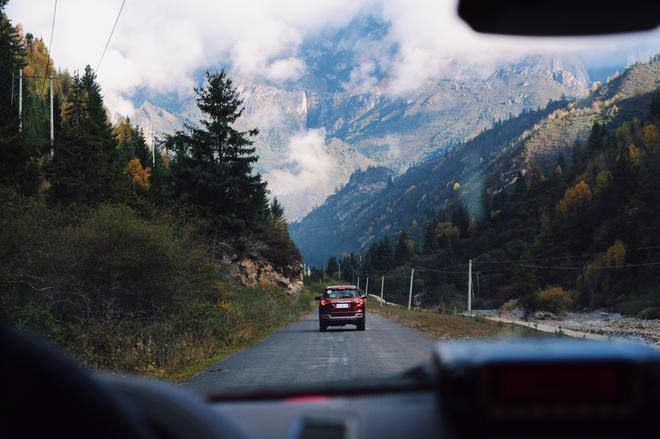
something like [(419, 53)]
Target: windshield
[(184, 185), (341, 294)]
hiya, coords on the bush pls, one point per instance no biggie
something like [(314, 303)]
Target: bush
[(121, 292), (554, 299)]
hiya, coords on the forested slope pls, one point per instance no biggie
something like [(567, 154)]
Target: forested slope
[(566, 202)]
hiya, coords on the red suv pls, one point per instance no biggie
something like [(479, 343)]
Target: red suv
[(341, 305)]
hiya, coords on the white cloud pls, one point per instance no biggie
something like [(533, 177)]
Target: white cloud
[(309, 165), (159, 45), (288, 69)]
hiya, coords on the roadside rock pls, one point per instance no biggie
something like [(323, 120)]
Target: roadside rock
[(259, 273), (243, 262)]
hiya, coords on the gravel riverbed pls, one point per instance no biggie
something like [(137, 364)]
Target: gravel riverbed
[(595, 322)]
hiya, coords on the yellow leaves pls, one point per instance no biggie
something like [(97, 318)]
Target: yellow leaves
[(616, 254), (456, 186), (574, 198), (603, 181), (650, 136), (446, 230), (139, 176), (554, 299), (595, 86), (634, 154), (123, 131)]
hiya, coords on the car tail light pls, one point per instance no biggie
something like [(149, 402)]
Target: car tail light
[(324, 302), (360, 301)]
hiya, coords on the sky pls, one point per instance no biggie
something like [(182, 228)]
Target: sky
[(162, 45)]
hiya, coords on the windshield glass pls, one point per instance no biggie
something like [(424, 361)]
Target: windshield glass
[(341, 294), (180, 182)]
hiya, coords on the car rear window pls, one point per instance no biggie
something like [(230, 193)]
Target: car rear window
[(340, 294)]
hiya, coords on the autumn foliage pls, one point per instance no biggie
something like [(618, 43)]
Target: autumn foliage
[(139, 175)]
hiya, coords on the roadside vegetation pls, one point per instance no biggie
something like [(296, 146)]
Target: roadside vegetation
[(447, 326), (116, 253)]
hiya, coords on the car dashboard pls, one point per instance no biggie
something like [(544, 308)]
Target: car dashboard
[(506, 388)]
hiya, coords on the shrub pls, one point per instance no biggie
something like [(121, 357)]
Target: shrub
[(554, 299)]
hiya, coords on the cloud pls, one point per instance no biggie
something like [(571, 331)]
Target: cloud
[(161, 45), (309, 165), (288, 69)]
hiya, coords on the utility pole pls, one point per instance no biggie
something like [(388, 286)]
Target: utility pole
[(339, 275), (470, 288), (52, 122), (412, 276), (382, 283), (358, 285), (153, 149), (20, 101), (367, 287)]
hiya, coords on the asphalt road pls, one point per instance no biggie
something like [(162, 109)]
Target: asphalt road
[(299, 354)]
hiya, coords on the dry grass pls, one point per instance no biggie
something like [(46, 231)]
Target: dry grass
[(446, 326)]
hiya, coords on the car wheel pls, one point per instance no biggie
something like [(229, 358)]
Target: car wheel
[(322, 327), (361, 324)]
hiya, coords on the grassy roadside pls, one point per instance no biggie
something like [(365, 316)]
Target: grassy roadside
[(254, 315), (446, 326)]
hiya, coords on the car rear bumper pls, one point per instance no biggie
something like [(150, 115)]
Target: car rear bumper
[(342, 319)]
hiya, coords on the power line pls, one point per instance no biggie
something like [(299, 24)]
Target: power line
[(551, 258), (110, 37), (596, 267), (50, 46)]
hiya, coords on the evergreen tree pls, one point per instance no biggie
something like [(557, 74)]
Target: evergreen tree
[(461, 219), (85, 168), (402, 252), (385, 256), (597, 136), (212, 171), (131, 143), (332, 267), (276, 210), (17, 159)]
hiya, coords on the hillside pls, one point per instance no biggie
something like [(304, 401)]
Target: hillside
[(489, 163)]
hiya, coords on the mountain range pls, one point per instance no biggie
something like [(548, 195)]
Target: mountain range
[(316, 131), (373, 204)]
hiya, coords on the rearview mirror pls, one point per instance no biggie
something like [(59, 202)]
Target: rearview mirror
[(559, 17), (319, 297)]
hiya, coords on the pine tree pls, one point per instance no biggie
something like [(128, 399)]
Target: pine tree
[(402, 252), (385, 256), (276, 210), (212, 171), (85, 167), (17, 159), (131, 143), (332, 267), (461, 219)]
